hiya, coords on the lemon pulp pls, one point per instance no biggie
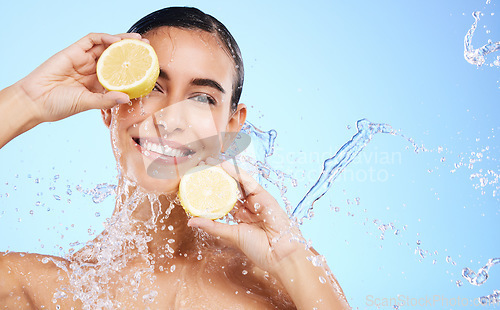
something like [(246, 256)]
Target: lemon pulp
[(208, 192), (130, 66)]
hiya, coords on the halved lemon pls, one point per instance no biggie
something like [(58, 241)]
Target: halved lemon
[(129, 66), (208, 192)]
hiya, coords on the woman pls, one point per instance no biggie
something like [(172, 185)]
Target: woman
[(151, 254)]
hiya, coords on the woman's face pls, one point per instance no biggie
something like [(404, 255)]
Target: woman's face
[(183, 120)]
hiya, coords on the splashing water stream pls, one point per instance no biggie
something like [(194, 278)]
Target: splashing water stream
[(333, 166), (477, 56)]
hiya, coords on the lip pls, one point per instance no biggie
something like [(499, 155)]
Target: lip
[(157, 157)]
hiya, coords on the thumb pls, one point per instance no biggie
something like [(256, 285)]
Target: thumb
[(224, 231), (90, 100)]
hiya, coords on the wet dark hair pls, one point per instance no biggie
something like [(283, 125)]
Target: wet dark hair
[(194, 19)]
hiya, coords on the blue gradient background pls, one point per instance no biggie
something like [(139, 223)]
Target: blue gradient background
[(312, 71)]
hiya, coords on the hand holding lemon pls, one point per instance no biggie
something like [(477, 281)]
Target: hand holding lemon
[(264, 232), (66, 84)]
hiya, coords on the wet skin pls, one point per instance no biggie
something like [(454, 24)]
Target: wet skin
[(251, 265), (182, 113)]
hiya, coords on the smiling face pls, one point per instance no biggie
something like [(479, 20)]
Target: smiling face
[(183, 120)]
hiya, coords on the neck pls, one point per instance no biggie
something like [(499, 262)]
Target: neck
[(160, 218)]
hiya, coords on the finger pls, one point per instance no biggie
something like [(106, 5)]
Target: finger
[(243, 214), (224, 231), (248, 184), (132, 35), (92, 39), (258, 200), (89, 100), (97, 50)]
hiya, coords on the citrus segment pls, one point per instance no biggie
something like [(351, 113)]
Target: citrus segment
[(130, 66), (208, 192)]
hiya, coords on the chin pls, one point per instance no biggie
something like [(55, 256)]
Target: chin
[(154, 184)]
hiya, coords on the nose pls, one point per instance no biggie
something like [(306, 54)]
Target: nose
[(171, 119)]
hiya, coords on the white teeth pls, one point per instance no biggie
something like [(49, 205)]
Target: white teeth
[(162, 149)]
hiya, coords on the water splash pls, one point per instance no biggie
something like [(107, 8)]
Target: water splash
[(333, 166), (482, 274), (265, 139), (477, 56), (256, 163), (99, 192), (490, 299), (93, 270)]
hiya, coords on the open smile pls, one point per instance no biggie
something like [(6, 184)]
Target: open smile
[(169, 152)]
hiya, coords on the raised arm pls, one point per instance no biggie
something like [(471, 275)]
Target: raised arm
[(266, 235), (62, 86)]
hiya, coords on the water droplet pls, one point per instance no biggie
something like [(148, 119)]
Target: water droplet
[(322, 280), (172, 268), (97, 214), (244, 272)]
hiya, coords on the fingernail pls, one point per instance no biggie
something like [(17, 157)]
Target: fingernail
[(191, 224), (122, 100)]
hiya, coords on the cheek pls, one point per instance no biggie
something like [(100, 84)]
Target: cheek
[(207, 123)]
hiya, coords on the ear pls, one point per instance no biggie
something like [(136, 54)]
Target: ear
[(236, 121), (106, 117)]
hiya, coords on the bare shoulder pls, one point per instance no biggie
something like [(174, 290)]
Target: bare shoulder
[(28, 280)]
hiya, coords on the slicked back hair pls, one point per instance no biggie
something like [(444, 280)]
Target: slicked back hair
[(194, 19)]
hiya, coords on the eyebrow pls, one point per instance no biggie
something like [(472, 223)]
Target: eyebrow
[(198, 82), (209, 83)]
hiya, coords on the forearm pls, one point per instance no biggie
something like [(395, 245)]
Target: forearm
[(310, 286), (16, 113)]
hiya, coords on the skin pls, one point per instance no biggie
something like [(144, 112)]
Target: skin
[(259, 263)]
